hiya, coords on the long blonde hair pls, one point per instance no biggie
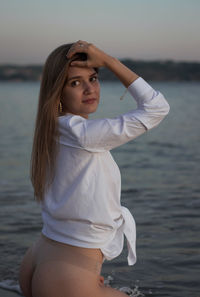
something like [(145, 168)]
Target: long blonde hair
[(44, 144)]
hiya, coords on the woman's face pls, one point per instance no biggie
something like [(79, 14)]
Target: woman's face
[(81, 92)]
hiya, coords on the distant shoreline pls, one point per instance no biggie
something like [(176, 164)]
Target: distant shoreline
[(149, 70)]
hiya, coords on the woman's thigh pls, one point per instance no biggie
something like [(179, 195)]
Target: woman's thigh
[(26, 273), (56, 278), (51, 270)]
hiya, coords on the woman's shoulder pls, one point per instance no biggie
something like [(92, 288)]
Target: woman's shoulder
[(68, 116), (70, 119)]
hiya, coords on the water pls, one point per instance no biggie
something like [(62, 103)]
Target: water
[(160, 186)]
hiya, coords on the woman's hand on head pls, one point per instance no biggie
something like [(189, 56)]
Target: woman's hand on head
[(95, 57)]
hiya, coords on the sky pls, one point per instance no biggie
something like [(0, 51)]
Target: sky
[(141, 30)]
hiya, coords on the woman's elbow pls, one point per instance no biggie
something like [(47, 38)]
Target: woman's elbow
[(161, 111), (165, 107)]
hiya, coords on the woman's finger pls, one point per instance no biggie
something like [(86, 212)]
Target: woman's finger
[(74, 51), (78, 47), (79, 63), (101, 280)]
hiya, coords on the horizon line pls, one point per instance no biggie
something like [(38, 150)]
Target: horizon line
[(121, 59)]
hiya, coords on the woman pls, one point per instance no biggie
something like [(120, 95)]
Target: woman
[(75, 177)]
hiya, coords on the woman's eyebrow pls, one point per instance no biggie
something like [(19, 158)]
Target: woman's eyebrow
[(76, 77)]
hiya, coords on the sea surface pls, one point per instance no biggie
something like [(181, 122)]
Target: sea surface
[(160, 185)]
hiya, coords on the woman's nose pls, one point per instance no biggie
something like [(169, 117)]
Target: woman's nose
[(88, 88)]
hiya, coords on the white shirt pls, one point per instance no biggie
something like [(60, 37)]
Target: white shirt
[(82, 206)]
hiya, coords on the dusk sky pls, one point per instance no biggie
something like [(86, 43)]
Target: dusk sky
[(143, 29)]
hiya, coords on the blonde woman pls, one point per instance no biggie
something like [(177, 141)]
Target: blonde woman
[(75, 178)]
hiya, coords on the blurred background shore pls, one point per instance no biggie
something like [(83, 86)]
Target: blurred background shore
[(149, 70)]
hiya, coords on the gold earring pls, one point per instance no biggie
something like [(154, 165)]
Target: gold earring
[(60, 107)]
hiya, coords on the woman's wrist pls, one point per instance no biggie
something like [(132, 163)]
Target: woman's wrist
[(108, 61)]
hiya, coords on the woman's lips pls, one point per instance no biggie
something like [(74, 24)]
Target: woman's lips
[(89, 101)]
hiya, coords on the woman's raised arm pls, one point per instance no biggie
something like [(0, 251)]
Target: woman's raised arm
[(98, 58)]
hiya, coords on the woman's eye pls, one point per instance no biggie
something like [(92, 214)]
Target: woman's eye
[(94, 78), (75, 83)]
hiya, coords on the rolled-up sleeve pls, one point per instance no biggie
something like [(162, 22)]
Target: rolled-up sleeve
[(100, 135)]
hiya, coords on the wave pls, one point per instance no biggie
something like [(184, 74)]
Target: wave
[(11, 285), (165, 144)]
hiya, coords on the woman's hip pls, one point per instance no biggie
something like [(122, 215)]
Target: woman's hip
[(48, 250)]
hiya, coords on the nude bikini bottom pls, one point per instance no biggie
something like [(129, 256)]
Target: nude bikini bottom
[(46, 250)]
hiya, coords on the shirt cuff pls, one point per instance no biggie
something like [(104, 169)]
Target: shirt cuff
[(141, 90)]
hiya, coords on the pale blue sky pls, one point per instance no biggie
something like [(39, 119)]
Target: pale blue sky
[(142, 29)]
